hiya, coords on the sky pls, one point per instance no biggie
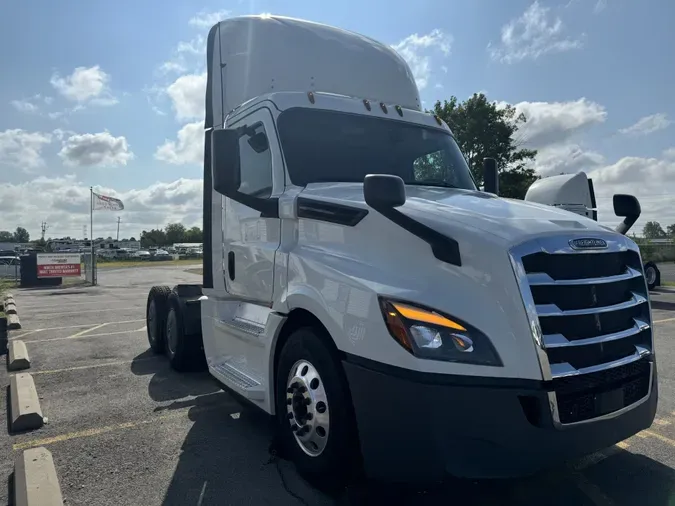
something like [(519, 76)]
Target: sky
[(111, 94)]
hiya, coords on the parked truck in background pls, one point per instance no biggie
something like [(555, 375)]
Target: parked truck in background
[(359, 287), (575, 193)]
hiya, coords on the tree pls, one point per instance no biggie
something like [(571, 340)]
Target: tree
[(153, 238), (175, 232), (670, 230), (132, 239), (653, 230), (483, 130), (21, 235), (6, 236), (194, 235)]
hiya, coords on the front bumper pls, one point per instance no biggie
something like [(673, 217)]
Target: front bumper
[(416, 427)]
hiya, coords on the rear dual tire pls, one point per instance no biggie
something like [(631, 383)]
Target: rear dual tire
[(166, 332)]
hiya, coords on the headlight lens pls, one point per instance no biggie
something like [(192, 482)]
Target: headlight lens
[(426, 333)]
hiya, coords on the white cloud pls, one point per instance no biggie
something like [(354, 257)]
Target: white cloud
[(64, 204), (99, 149), (23, 149), (85, 84), (566, 159), (24, 106), (669, 153), (187, 95), (535, 33), (188, 148), (648, 125), (555, 122), (208, 19), (31, 105), (416, 50)]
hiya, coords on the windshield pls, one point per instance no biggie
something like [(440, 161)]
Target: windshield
[(330, 146)]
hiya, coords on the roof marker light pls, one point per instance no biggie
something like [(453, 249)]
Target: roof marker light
[(383, 107), (310, 95), (366, 103), (399, 110)]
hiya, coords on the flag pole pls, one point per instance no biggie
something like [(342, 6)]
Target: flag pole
[(91, 234)]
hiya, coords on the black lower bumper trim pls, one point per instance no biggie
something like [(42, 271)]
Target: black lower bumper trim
[(413, 428)]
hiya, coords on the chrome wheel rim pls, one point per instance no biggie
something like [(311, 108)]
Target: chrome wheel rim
[(651, 275), (307, 408)]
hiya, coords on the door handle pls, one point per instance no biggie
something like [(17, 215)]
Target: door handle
[(230, 265)]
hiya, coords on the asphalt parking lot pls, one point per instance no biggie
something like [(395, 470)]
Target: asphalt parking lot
[(124, 429)]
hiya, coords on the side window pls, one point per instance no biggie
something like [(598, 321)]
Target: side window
[(256, 162)]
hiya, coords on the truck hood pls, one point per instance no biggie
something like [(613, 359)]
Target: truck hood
[(441, 208)]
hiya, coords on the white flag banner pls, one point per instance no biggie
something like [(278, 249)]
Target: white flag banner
[(109, 203)]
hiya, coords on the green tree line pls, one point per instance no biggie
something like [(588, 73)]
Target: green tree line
[(654, 230), (19, 235), (173, 233)]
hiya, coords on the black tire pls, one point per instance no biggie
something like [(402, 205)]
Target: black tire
[(185, 352), (158, 304), (652, 275), (333, 468)]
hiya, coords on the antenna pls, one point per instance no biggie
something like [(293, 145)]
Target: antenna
[(118, 228)]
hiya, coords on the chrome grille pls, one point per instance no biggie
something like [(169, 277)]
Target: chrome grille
[(589, 313)]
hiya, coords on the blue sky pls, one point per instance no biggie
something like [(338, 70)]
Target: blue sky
[(110, 94)]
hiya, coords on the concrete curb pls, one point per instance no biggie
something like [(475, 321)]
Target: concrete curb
[(35, 480), (17, 358), (10, 308), (25, 412), (13, 322)]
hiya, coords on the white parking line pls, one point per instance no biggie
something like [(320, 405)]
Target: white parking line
[(19, 336), (67, 303), (116, 333), (101, 310)]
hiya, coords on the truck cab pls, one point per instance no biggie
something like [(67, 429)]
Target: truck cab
[(361, 289)]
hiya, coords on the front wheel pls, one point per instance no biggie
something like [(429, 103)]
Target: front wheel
[(314, 411), (651, 273)]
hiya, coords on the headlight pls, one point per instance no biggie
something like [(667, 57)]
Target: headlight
[(429, 334)]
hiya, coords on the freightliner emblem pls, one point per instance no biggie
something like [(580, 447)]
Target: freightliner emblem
[(588, 243)]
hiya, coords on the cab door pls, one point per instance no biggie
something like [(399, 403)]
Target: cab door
[(251, 237)]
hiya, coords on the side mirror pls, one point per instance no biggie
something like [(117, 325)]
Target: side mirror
[(490, 176), (225, 161), (627, 207), (383, 191)]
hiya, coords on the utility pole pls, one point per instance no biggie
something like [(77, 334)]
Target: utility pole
[(84, 232), (43, 228), (118, 228)]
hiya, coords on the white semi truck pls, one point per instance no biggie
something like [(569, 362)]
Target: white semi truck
[(575, 193), (359, 287)]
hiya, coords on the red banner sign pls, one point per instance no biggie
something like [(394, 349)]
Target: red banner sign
[(58, 265)]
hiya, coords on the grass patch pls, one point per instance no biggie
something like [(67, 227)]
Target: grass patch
[(668, 283), (115, 264)]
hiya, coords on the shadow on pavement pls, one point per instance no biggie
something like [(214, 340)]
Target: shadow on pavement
[(225, 459), (663, 305)]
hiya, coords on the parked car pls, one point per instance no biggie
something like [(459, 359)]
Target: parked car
[(10, 266)]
